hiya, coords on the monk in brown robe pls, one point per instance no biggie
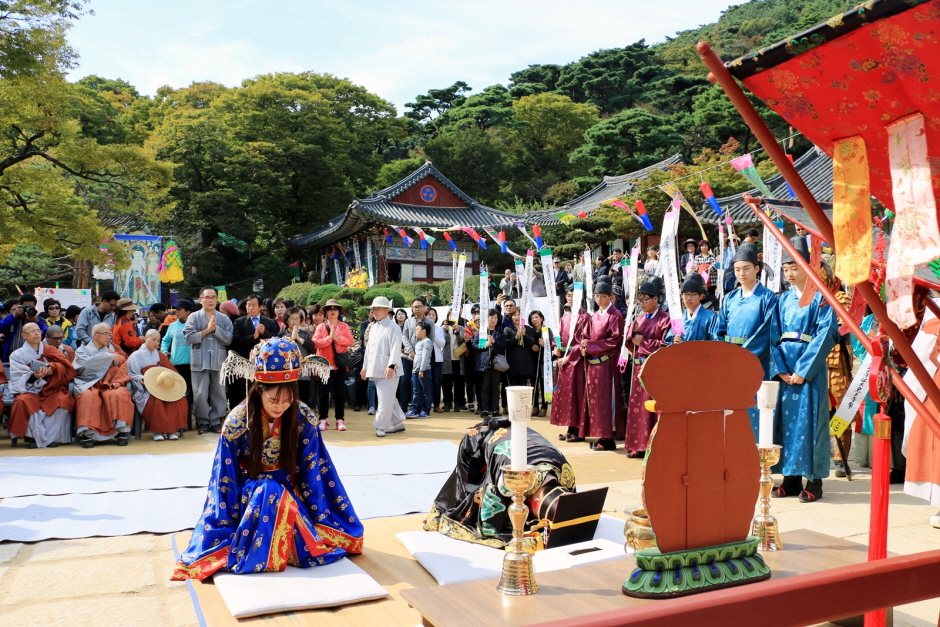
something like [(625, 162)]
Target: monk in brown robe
[(104, 407), (163, 418), (40, 377)]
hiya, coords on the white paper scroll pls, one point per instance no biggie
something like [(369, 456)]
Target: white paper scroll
[(669, 262)]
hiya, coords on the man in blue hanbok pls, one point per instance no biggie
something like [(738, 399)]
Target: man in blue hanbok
[(747, 314), (698, 323), (807, 334)]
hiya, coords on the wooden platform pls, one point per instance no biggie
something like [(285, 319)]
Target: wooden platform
[(595, 588), (384, 558)]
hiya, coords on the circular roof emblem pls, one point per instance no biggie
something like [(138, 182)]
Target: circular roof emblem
[(428, 193)]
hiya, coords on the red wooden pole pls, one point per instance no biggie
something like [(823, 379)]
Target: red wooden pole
[(880, 488), (720, 74)]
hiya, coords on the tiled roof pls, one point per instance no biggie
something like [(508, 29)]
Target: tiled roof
[(378, 210), (815, 168), (611, 187)]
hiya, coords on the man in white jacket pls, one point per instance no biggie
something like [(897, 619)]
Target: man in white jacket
[(382, 364)]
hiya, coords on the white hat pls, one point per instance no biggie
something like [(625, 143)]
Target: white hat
[(380, 301)]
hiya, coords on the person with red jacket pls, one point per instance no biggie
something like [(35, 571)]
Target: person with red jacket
[(331, 337)]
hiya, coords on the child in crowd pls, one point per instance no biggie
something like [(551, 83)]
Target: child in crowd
[(421, 372)]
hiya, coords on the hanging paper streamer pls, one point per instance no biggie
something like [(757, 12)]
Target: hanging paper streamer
[(404, 236), (537, 232), (773, 257), (449, 241), (521, 227), (676, 194), (473, 235), (720, 288), (667, 246), (616, 202), (790, 189), (548, 382), (424, 242), (576, 297), (457, 303), (630, 284), (564, 217), (851, 210), (370, 260), (588, 282), (914, 237), (388, 238), (552, 319), (484, 293), (424, 236), (528, 276), (502, 242), (730, 226), (745, 166), (710, 196), (171, 264), (644, 218)]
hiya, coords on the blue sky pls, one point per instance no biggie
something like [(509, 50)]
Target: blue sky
[(395, 49)]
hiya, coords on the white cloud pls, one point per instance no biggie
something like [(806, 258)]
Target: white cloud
[(397, 49)]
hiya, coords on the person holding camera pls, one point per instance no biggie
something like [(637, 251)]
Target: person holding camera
[(22, 312)]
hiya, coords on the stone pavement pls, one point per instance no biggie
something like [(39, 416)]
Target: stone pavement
[(125, 580)]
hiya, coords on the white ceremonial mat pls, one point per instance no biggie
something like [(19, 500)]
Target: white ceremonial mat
[(93, 474), (339, 583), (376, 496), (454, 561), (394, 459), (35, 518)]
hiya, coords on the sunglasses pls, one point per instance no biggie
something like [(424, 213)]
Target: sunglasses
[(330, 309)]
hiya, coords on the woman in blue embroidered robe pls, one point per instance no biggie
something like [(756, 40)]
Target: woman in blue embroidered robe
[(698, 323), (276, 518), (747, 315), (807, 335)]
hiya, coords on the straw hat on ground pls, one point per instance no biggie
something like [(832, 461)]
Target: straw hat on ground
[(164, 384)]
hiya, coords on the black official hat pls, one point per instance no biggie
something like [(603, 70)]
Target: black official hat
[(649, 288), (604, 286), (694, 283), (746, 252), (801, 246)]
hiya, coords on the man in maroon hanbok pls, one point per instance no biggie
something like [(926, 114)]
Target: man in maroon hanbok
[(600, 349), (647, 335), (569, 401)]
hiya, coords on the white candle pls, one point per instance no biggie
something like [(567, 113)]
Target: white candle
[(766, 403), (519, 400)]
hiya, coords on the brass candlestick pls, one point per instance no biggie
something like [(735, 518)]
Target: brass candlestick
[(765, 525), (518, 577)]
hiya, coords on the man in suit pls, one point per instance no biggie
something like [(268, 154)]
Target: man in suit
[(382, 364), (209, 332), (247, 332)]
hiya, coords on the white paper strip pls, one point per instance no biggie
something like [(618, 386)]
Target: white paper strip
[(458, 288), (668, 262), (588, 282)]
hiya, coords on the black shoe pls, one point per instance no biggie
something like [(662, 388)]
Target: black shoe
[(216, 428), (123, 439), (460, 408), (32, 444), (53, 444), (813, 492), (484, 414), (357, 408), (445, 408), (88, 443)]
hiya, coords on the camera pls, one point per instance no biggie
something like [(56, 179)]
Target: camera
[(31, 312)]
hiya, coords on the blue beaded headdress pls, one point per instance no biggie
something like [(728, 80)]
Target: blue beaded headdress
[(276, 360)]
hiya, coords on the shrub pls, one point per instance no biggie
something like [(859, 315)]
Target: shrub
[(297, 292), (352, 293), (471, 287), (446, 291), (393, 295), (362, 313), (349, 305), (411, 291), (323, 293)]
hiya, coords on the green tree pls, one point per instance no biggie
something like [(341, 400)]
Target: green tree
[(29, 266), (473, 159), (611, 80), (32, 36), (535, 79), (394, 171), (627, 141), (544, 130), (437, 102)]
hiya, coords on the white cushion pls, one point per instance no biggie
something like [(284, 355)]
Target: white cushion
[(339, 583), (449, 560)]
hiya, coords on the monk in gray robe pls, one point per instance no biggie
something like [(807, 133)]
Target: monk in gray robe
[(39, 377), (104, 408)]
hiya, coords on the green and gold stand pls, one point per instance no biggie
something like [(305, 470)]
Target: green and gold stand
[(662, 575)]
